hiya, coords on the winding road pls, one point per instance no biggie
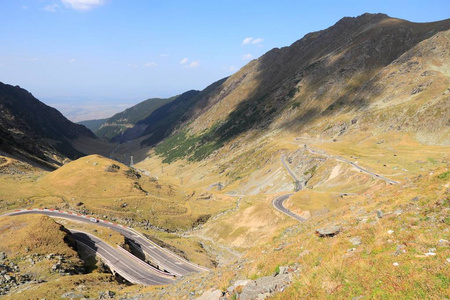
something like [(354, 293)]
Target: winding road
[(162, 258), (298, 183), (278, 204), (374, 175), (122, 262), (278, 201)]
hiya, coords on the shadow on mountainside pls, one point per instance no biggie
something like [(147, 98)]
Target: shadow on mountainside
[(324, 73)]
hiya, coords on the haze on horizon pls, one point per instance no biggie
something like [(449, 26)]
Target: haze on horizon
[(93, 58)]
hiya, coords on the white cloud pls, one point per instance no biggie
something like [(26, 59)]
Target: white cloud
[(150, 64), (194, 64), (52, 7), (132, 65), (164, 55), (253, 41), (24, 7), (83, 4), (257, 41), (247, 56), (72, 60), (233, 68), (247, 41), (183, 61)]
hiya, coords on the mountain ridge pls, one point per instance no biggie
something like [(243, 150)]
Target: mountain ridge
[(112, 128), (320, 75), (35, 131)]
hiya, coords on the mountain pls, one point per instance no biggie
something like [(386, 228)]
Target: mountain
[(164, 120), (348, 128), (31, 130), (93, 125), (112, 128), (340, 71)]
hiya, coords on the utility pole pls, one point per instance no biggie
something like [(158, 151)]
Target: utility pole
[(131, 161)]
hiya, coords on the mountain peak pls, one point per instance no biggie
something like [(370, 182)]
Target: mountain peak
[(361, 20), (364, 18)]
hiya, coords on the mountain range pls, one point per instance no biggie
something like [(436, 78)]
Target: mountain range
[(319, 170), (371, 67)]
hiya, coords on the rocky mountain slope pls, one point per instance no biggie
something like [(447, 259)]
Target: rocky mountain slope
[(31, 130), (372, 70)]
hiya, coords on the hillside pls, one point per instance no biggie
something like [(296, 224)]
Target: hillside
[(370, 91), (93, 125), (392, 244), (162, 120), (350, 124), (39, 258), (372, 68), (112, 128), (31, 130)]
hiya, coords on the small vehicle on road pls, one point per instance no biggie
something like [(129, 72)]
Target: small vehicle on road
[(93, 220)]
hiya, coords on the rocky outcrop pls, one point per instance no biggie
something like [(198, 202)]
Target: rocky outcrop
[(329, 231)]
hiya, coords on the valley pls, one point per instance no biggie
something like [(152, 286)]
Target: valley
[(317, 171)]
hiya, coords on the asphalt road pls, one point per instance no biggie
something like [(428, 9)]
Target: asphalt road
[(278, 204), (124, 263), (163, 258), (278, 201)]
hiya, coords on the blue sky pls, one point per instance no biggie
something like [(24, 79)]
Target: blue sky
[(92, 58)]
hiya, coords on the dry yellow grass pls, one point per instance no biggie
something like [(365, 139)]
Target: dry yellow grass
[(395, 155), (255, 222), (309, 202), (38, 233), (106, 234), (33, 237), (112, 194), (335, 268), (116, 196)]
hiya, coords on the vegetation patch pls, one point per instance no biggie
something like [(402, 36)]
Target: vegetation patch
[(194, 147), (444, 176)]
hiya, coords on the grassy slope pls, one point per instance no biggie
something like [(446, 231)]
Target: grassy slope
[(118, 123), (325, 76), (115, 195), (250, 160), (39, 233), (332, 271), (164, 205), (28, 236), (334, 268)]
